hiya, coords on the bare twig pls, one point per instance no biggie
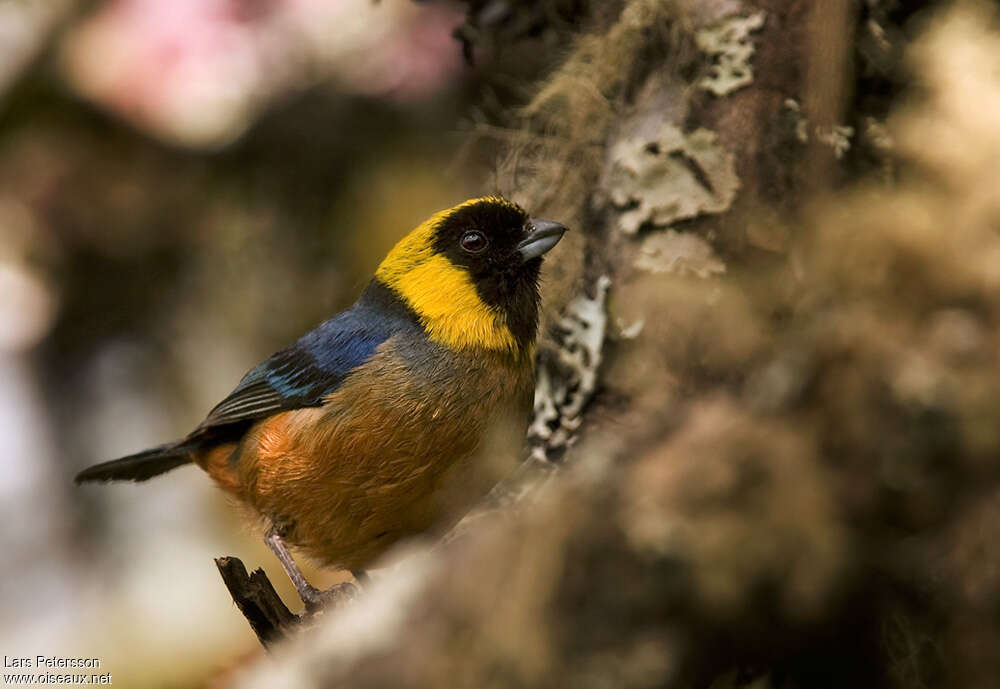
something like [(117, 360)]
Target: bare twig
[(256, 598)]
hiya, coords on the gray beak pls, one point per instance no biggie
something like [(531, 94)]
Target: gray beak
[(544, 235)]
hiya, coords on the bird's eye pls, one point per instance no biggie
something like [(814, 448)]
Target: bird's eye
[(474, 242)]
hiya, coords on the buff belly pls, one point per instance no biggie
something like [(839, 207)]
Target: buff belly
[(388, 456)]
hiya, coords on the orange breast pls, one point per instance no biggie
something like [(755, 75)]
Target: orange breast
[(403, 446)]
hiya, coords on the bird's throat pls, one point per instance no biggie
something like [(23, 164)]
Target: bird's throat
[(450, 309)]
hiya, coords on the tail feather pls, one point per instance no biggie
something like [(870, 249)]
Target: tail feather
[(140, 466)]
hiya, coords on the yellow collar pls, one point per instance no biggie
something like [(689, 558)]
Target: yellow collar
[(442, 294)]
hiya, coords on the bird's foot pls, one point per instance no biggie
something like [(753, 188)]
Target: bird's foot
[(313, 598), (316, 599)]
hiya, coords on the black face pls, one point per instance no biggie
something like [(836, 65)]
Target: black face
[(483, 238)]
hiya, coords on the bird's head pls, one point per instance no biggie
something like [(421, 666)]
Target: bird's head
[(470, 274)]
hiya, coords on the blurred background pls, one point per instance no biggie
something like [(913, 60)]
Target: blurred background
[(185, 187), (796, 372)]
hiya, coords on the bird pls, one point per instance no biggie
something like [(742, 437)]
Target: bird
[(392, 418)]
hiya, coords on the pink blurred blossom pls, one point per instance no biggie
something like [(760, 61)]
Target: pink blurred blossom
[(197, 71)]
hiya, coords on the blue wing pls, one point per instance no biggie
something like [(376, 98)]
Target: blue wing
[(302, 374)]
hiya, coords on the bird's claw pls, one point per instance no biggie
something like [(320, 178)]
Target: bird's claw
[(316, 599)]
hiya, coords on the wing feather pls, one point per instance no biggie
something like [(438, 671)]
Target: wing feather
[(303, 374)]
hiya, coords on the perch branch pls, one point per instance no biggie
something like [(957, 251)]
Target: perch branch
[(256, 598)]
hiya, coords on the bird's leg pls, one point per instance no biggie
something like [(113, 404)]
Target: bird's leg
[(310, 595)]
